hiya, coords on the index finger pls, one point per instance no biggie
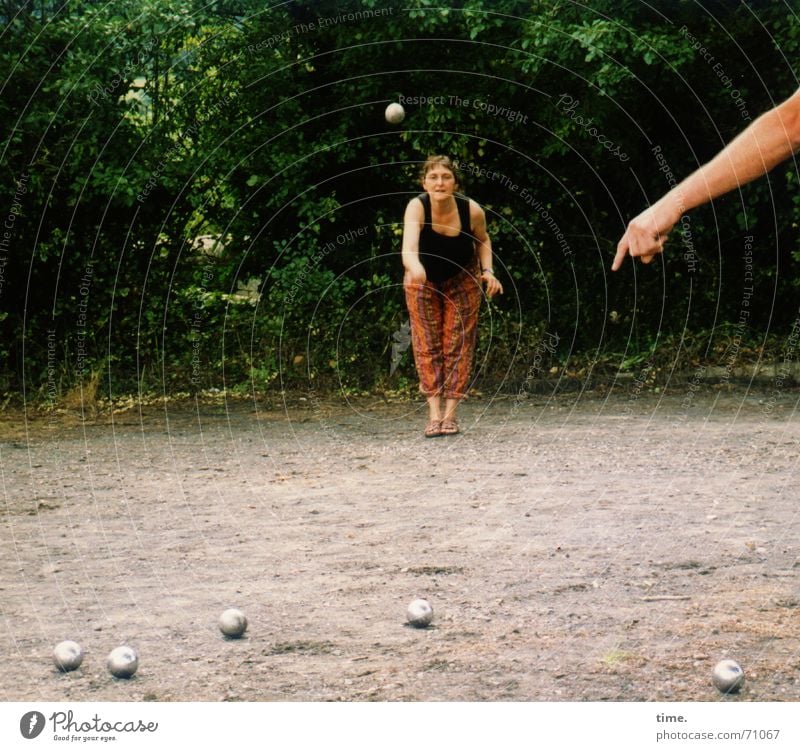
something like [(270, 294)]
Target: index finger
[(623, 247)]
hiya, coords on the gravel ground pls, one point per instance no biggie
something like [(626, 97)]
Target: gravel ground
[(573, 548)]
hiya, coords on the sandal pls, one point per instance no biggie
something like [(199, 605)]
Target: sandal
[(449, 427), (433, 428)]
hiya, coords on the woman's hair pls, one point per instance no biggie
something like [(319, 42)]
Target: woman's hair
[(444, 161)]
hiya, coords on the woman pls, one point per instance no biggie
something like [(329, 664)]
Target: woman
[(446, 255)]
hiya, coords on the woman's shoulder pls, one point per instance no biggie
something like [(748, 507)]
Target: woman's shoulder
[(474, 207), (417, 203), (415, 208)]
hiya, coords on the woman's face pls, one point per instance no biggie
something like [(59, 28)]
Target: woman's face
[(439, 182)]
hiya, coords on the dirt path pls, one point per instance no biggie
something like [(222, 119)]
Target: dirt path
[(545, 536)]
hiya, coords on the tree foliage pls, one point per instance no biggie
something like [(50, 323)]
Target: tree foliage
[(207, 195)]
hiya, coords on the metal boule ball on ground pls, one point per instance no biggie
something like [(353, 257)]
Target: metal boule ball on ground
[(233, 623), (123, 662), (68, 655), (728, 676), (420, 613)]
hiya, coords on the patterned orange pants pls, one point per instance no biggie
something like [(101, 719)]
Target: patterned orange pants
[(444, 328)]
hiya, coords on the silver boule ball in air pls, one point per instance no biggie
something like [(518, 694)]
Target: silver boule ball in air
[(233, 623), (728, 676), (395, 114), (420, 613), (123, 662), (68, 655)]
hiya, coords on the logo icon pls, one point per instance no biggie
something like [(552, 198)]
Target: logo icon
[(31, 724)]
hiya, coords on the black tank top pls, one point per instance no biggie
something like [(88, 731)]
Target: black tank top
[(442, 256)]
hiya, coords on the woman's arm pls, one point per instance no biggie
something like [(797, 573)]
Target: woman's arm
[(412, 226), (484, 243), (771, 138)]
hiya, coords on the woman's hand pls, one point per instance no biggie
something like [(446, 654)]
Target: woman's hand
[(492, 285), (415, 274)]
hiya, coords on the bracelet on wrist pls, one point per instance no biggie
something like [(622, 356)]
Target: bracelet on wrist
[(487, 271)]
